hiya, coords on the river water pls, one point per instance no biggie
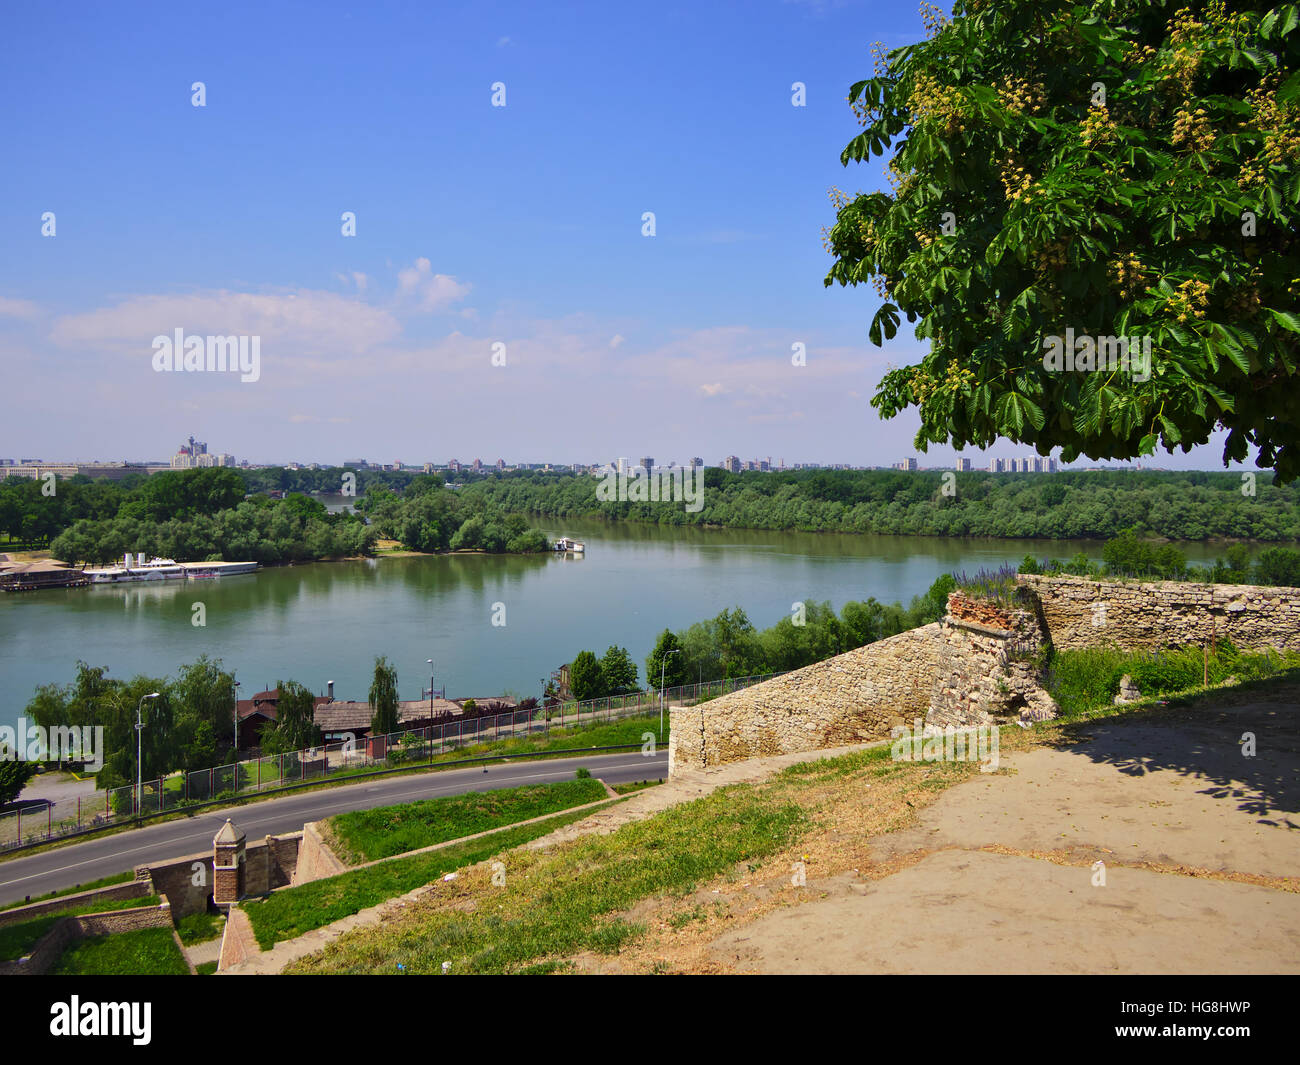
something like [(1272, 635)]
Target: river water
[(327, 621)]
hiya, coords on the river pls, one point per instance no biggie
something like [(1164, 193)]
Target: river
[(327, 621)]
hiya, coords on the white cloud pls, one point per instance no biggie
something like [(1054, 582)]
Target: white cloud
[(11, 308), (308, 322), (431, 291), (617, 340)]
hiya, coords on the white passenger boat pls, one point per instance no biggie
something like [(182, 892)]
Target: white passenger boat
[(196, 571), (569, 546), (141, 569)]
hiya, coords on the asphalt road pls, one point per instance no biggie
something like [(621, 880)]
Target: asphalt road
[(80, 863)]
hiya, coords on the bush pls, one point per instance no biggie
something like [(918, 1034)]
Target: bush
[(582, 773)]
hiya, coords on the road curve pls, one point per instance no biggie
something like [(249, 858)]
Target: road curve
[(80, 863)]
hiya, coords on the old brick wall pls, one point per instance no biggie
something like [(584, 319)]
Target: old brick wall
[(270, 863), (175, 879), (131, 889), (1136, 615), (990, 665), (114, 921), (851, 698), (315, 859)]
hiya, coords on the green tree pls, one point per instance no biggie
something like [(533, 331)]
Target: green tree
[(1278, 566), (619, 671), (1112, 169), (205, 709), (384, 716), (14, 775), (585, 678), (664, 663), (295, 718)]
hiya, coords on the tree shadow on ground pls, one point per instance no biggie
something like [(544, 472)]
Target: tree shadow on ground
[(1205, 737)]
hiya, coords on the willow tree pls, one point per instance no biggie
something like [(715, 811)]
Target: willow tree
[(1102, 178)]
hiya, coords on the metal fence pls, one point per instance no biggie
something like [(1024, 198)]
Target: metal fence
[(41, 820)]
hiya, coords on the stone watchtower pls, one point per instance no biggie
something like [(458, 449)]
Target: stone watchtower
[(228, 865)]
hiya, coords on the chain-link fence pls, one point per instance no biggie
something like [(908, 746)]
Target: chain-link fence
[(40, 820)]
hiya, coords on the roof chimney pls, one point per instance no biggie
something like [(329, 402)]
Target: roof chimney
[(331, 690)]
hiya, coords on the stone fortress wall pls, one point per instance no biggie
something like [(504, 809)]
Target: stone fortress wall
[(979, 665)]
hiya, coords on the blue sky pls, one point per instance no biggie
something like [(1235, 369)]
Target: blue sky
[(475, 225)]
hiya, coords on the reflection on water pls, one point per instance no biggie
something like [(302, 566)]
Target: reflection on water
[(328, 621)]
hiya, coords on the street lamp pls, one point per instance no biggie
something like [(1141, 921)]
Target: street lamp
[(234, 713), (139, 765), (663, 662), (430, 661)]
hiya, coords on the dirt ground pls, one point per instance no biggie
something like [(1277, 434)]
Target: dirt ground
[(1200, 846)]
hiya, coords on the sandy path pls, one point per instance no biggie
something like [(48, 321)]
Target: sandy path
[(1005, 876)]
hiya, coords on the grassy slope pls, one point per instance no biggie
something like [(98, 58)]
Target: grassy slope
[(291, 912), (366, 835), (147, 952), (17, 939)]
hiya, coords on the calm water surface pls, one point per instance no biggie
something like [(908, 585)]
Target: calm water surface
[(327, 621)]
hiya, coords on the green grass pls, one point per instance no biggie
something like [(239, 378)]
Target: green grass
[(1085, 680), (575, 898), (290, 912), (366, 835), (108, 881), (146, 952), (206, 968), (17, 939), (199, 928)]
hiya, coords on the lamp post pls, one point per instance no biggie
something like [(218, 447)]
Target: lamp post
[(139, 747), (663, 662), (430, 661), (234, 713)]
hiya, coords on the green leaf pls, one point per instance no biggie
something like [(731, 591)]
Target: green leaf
[(1286, 319)]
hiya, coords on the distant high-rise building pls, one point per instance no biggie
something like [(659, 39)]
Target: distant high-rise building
[(731, 464), (997, 465), (453, 466), (907, 464), (963, 465), (696, 463), (478, 465), (647, 464)]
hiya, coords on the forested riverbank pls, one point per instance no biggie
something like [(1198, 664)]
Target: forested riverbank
[(1096, 505), (209, 515)]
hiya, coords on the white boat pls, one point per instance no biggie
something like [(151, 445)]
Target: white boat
[(196, 571), (569, 546), (143, 569)]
